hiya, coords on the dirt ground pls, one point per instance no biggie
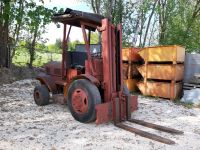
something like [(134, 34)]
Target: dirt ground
[(23, 125), (15, 73)]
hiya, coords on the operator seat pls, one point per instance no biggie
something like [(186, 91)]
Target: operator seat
[(76, 60)]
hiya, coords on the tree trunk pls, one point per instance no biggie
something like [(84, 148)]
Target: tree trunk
[(4, 29), (32, 48), (18, 28), (149, 21)]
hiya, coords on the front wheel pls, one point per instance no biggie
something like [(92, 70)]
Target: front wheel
[(83, 96)]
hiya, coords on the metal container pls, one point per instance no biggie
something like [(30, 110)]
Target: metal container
[(130, 54), (161, 89), (130, 71), (131, 84), (125, 71), (192, 68), (172, 53), (162, 71), (134, 71)]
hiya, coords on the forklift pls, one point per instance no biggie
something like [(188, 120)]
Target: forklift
[(91, 82)]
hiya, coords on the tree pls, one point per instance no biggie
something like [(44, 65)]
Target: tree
[(36, 20), (20, 20), (17, 15), (4, 30), (94, 38), (59, 43), (179, 23), (112, 9)]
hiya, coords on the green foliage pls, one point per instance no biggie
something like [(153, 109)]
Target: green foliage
[(183, 25), (187, 105), (42, 55), (172, 21), (25, 21), (94, 38), (72, 45), (53, 48)]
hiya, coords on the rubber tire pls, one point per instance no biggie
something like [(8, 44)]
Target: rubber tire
[(94, 98), (43, 95)]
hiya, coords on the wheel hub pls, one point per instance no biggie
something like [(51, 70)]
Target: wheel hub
[(37, 95), (80, 101)]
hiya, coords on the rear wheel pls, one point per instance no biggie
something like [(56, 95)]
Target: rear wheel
[(41, 95), (83, 96)]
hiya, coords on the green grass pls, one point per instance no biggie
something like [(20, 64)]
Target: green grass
[(22, 59), (187, 105)]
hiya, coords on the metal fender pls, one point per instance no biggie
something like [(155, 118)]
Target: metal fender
[(48, 81), (82, 76), (88, 77)]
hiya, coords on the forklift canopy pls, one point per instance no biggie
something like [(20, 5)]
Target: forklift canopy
[(76, 18)]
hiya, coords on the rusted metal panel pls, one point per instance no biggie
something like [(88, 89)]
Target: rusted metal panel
[(71, 73), (133, 103), (130, 71), (48, 81), (125, 70), (130, 54), (131, 84), (103, 113), (171, 53), (87, 47), (54, 68), (88, 77), (162, 71), (168, 90), (74, 18)]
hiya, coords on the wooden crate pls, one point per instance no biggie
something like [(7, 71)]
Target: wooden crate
[(172, 53), (130, 54), (162, 71), (131, 84), (167, 90)]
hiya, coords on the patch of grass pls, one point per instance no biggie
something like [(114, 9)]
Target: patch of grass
[(22, 59), (187, 105)]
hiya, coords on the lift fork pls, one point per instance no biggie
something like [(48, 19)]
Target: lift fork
[(119, 122)]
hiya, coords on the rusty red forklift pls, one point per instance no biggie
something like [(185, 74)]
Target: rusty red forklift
[(91, 82)]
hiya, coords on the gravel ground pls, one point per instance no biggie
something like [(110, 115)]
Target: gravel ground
[(23, 125)]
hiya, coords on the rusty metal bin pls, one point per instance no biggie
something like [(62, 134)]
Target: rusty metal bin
[(162, 71), (161, 89), (171, 53), (130, 71), (130, 54), (125, 71), (131, 84)]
